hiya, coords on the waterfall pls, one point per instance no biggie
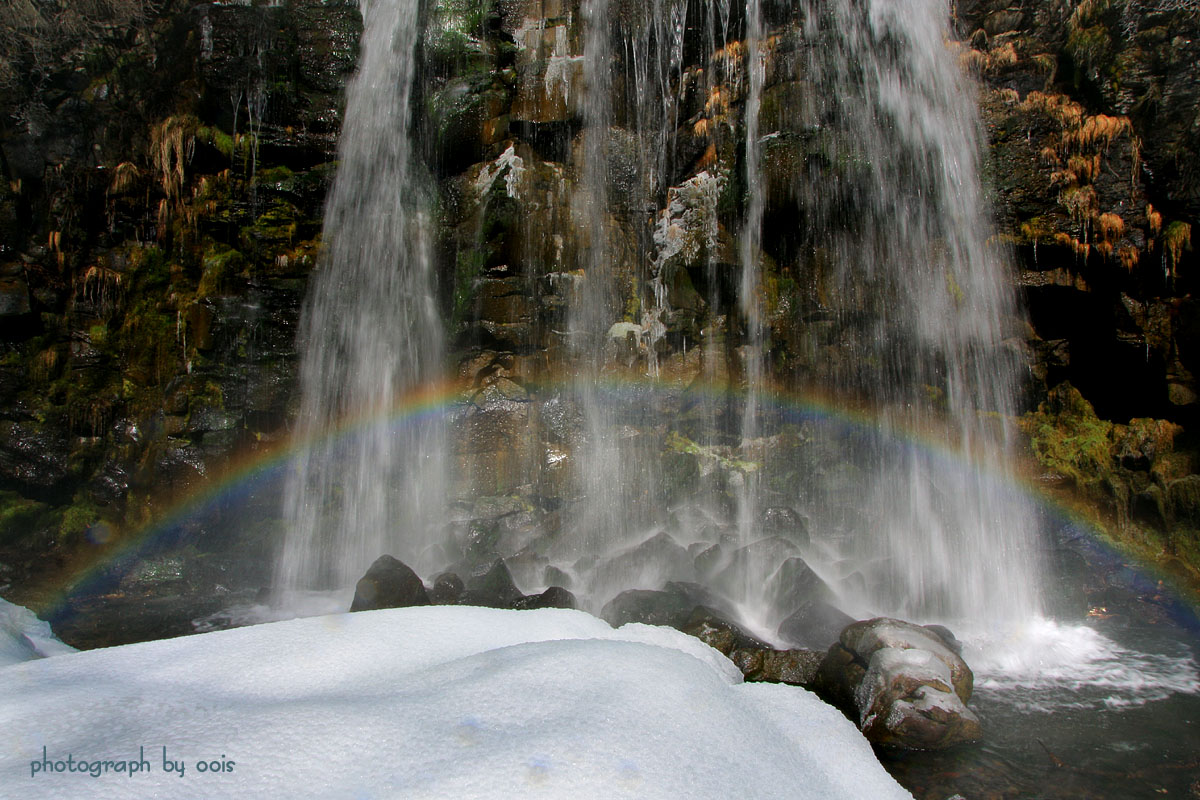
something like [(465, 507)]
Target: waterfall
[(367, 479), (907, 312), (918, 311), (901, 316)]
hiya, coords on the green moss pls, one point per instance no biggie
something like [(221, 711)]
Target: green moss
[(76, 519), (468, 265), (281, 177), (216, 137), (1037, 229), (20, 517), (208, 395), (219, 264), (1069, 439), (677, 443), (148, 342), (277, 226), (1091, 47)]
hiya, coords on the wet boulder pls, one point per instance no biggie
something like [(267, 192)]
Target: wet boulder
[(715, 630), (866, 637), (816, 625), (795, 667), (447, 589), (754, 561), (786, 523), (491, 585), (388, 583), (657, 559), (554, 597), (903, 684), (649, 607)]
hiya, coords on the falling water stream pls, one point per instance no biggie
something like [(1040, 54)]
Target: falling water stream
[(372, 334)]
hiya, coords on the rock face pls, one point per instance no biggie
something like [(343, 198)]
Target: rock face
[(388, 583), (903, 684), (159, 214)]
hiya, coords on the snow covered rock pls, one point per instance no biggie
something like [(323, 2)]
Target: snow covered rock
[(24, 637)]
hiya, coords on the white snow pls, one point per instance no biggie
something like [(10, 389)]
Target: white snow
[(24, 637), (428, 702)]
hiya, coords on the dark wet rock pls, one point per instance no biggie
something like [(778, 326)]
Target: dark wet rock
[(1183, 495), (162, 574), (709, 560), (388, 583), (659, 558), (34, 456), (715, 630), (553, 597), (649, 607), (753, 561), (91, 622), (557, 577), (795, 667), (815, 626), (796, 588), (527, 566), (902, 684), (14, 299), (786, 523), (492, 586), (447, 589), (700, 595)]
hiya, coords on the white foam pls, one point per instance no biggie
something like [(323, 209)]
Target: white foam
[(1044, 665)]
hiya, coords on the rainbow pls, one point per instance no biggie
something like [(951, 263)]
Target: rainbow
[(254, 470)]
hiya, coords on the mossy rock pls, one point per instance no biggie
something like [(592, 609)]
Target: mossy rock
[(23, 519), (1068, 438)]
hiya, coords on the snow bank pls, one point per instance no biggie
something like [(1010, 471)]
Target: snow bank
[(428, 702), (24, 637)]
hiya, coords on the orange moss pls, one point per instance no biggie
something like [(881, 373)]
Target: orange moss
[(1111, 226), (1129, 257), (1154, 219)]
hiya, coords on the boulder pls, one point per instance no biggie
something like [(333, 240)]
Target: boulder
[(491, 585), (554, 597), (816, 625), (712, 628), (795, 667), (906, 700), (649, 607), (447, 589), (903, 683), (866, 637), (787, 523), (795, 587), (657, 559), (388, 583)]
